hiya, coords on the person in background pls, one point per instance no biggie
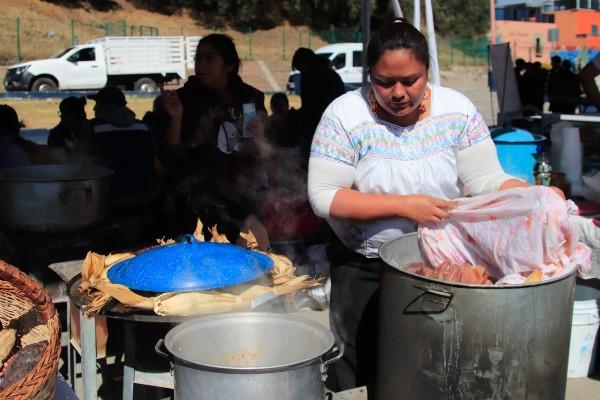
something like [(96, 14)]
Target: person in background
[(319, 86), (12, 150), (385, 158), (70, 140), (520, 65), (587, 77), (125, 145), (564, 89), (72, 122), (15, 151), (212, 149), (277, 129)]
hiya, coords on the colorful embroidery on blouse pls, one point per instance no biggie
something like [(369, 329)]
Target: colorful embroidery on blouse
[(374, 139)]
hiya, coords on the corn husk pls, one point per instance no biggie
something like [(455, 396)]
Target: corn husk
[(7, 342)]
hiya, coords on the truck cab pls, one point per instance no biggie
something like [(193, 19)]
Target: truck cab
[(80, 67), (346, 59)]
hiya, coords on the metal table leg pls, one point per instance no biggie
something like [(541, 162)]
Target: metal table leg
[(88, 356), (129, 360)]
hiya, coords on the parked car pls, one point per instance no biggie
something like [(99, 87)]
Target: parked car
[(134, 63), (346, 59)]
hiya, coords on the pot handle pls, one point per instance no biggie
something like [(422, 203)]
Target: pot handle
[(158, 348), (336, 352), (66, 192)]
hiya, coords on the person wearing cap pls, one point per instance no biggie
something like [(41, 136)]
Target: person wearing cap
[(12, 151), (124, 144), (72, 132)]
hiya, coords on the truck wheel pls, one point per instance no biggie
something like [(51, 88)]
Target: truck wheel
[(145, 85), (44, 85)]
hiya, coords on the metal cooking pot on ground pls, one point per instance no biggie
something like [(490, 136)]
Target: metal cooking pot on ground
[(441, 340), (53, 198), (250, 356)]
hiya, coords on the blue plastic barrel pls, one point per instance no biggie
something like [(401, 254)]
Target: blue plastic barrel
[(516, 151)]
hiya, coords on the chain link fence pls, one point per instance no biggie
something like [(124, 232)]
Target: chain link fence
[(29, 39)]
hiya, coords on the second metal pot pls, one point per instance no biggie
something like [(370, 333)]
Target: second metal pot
[(53, 198), (250, 356)]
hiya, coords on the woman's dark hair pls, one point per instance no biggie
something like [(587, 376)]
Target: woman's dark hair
[(398, 34), (224, 45)]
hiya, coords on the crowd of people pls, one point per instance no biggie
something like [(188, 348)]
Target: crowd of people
[(208, 149), (559, 86)]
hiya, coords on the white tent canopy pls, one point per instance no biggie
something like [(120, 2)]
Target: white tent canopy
[(434, 68)]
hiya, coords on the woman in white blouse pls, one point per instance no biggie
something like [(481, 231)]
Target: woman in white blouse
[(385, 158)]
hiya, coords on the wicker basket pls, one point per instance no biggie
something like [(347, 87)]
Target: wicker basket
[(22, 297)]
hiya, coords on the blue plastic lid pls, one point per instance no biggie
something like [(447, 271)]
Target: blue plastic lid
[(515, 135), (190, 266)]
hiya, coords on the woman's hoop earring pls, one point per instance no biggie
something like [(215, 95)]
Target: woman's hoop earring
[(373, 102)]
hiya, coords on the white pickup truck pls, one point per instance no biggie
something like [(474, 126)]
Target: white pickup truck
[(132, 62)]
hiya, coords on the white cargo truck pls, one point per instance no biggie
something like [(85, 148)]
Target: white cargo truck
[(131, 62)]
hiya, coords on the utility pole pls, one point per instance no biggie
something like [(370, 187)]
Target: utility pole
[(492, 22)]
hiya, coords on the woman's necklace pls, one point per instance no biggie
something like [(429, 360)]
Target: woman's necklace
[(422, 111)]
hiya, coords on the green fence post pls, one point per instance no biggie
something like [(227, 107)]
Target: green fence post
[(451, 54), (332, 34), (73, 39), (249, 44), (300, 39), (283, 45), (310, 39), (106, 29), (181, 31), (18, 40), (124, 27), (141, 30)]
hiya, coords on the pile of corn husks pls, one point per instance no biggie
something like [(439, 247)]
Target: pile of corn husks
[(97, 287)]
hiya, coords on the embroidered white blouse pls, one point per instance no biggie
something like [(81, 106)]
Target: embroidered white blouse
[(353, 148)]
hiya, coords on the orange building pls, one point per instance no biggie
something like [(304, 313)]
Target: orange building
[(528, 40), (577, 29)]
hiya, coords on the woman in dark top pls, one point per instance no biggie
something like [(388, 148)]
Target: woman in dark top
[(217, 172)]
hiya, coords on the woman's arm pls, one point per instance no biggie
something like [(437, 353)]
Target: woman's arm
[(174, 109), (481, 172), (331, 195)]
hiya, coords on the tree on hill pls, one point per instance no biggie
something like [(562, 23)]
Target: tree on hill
[(452, 17)]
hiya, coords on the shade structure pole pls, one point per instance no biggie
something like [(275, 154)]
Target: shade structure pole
[(434, 67), (396, 8), (366, 36), (417, 15)]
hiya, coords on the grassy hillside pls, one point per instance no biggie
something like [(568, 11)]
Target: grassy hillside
[(45, 28)]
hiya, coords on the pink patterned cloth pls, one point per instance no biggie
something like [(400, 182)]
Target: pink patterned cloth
[(511, 233)]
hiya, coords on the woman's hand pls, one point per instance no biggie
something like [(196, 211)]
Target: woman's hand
[(172, 104), (427, 210)]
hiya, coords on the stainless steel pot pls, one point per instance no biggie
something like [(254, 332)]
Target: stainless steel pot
[(440, 340), (250, 356), (52, 198)]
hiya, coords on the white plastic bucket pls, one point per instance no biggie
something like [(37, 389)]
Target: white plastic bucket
[(584, 333)]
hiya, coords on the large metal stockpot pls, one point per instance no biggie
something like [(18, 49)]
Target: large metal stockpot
[(250, 356), (440, 340), (53, 198)]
